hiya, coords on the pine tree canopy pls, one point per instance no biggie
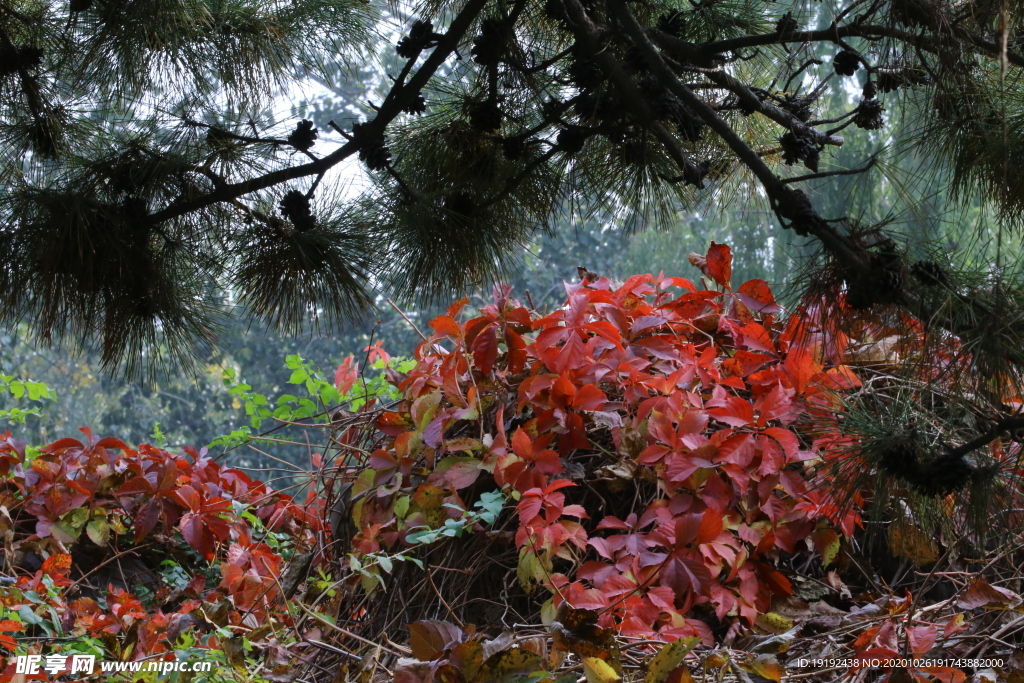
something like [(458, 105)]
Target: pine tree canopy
[(146, 180)]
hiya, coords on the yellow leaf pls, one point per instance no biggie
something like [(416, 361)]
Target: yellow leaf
[(715, 660), (668, 658), (912, 543), (773, 623), (599, 671), (507, 666), (768, 667), (827, 543)]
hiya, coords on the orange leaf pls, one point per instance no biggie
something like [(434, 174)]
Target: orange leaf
[(442, 324), (57, 565), (719, 264)]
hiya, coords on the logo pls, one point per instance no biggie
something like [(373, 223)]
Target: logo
[(55, 664)]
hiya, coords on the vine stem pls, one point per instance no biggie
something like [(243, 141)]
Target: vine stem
[(406, 318)]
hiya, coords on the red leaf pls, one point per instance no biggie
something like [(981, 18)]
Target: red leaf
[(516, 351), (956, 624), (571, 355), (757, 296), (684, 572), (146, 518), (981, 594), (456, 307), (777, 583), (921, 638), (197, 535), (589, 397), (134, 486), (188, 498), (529, 506), (393, 424), (719, 264), (485, 350), (346, 375), (786, 439), (442, 324), (732, 410)]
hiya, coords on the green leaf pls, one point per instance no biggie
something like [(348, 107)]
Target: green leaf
[(27, 616), (98, 528)]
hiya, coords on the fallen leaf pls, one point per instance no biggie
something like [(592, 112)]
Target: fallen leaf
[(767, 666), (668, 658), (981, 594), (507, 666), (429, 638), (598, 671)]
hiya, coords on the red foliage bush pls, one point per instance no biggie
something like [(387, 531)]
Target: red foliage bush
[(99, 492), (705, 393)]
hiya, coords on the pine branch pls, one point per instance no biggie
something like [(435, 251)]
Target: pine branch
[(788, 204), (686, 50), (399, 97), (829, 174), (835, 34), (587, 34)]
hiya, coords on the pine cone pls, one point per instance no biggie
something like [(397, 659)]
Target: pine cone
[(556, 10), (79, 5), (45, 135), (787, 26), (869, 115), (942, 475), (295, 207), (373, 150), (667, 107), (421, 36), (571, 140), (8, 61), (585, 74), (869, 90), (460, 204), (798, 106), (635, 61), (515, 148), (632, 148), (418, 106), (217, 138), (796, 206), (585, 105), (929, 273), (26, 57), (846, 63), (889, 79), (913, 12), (858, 298), (485, 117), (673, 23), (304, 135), (799, 148), (901, 461), (608, 108), (490, 46)]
